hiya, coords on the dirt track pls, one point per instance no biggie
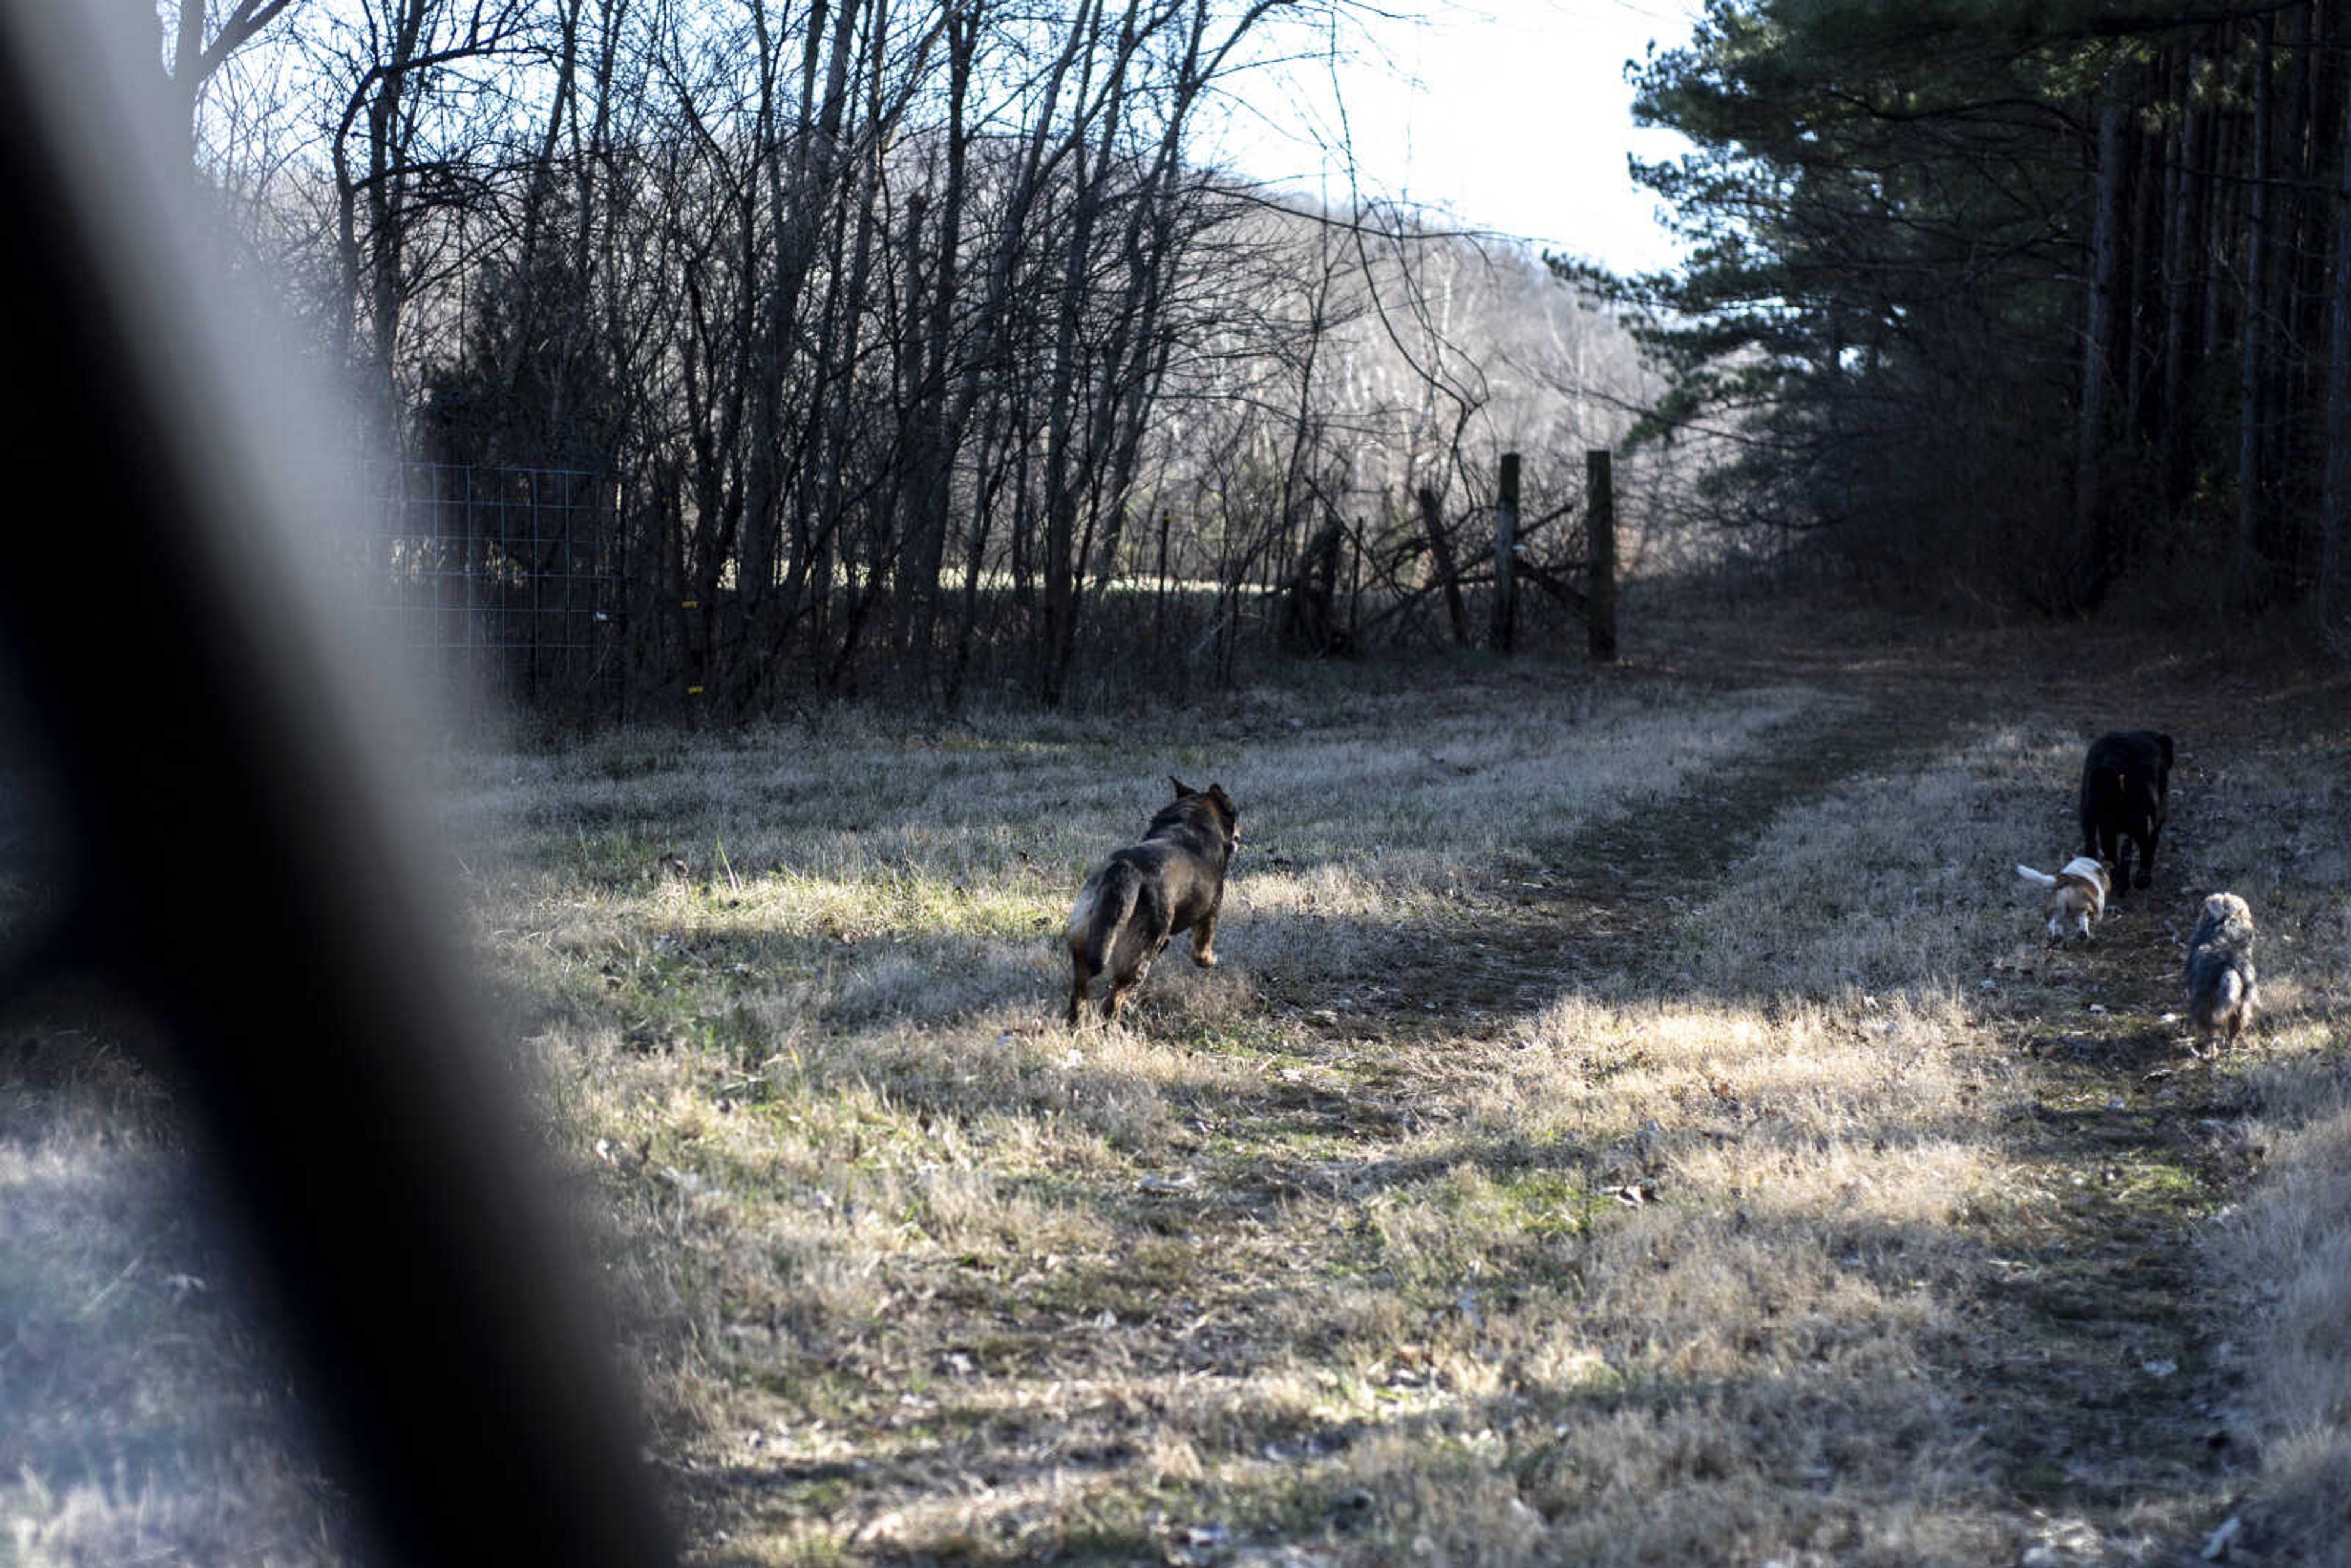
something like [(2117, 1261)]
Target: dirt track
[(1728, 1175), (2094, 1372)]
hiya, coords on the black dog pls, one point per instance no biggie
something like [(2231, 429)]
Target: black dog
[(2126, 796), (1173, 880)]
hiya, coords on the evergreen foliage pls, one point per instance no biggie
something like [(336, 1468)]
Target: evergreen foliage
[(2021, 302)]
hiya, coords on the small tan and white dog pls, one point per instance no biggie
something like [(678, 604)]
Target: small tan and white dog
[(2077, 896)]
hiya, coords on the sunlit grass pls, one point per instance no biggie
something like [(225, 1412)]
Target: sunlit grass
[(1634, 1123), (1436, 1266), (1660, 1249)]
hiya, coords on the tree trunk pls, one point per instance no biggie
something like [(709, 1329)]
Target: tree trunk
[(1440, 551), (2253, 355), (2091, 566), (2335, 506), (2185, 185)]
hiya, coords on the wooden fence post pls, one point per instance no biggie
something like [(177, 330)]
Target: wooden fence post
[(1506, 547), (1600, 529)]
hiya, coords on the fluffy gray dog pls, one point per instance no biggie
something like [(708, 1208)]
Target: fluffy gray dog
[(2220, 993)]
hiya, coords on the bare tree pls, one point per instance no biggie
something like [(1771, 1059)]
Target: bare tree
[(202, 36)]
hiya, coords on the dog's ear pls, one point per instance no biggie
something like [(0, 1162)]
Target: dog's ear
[(1223, 801), (1182, 788)]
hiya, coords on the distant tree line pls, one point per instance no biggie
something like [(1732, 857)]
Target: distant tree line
[(908, 341), (2041, 304)]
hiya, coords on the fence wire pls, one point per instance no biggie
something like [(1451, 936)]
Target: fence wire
[(500, 583)]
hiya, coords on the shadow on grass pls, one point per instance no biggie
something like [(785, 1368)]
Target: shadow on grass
[(144, 1411), (2021, 1336), (1811, 1421)]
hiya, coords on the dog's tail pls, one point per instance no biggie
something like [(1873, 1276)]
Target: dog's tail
[(2043, 877), (1103, 906)]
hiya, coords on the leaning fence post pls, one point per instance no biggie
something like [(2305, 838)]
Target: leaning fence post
[(1600, 531), (1506, 545)]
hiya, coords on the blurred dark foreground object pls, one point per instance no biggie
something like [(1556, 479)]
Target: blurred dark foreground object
[(234, 877)]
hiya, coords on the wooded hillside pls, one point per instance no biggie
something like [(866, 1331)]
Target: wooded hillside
[(880, 345)]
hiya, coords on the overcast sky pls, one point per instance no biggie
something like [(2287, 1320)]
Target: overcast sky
[(1512, 114)]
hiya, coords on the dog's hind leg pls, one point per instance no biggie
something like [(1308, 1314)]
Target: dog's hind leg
[(1204, 941), (2146, 857), (2119, 857), (2242, 999), (1137, 947), (1078, 993), (2097, 839), (1122, 983)]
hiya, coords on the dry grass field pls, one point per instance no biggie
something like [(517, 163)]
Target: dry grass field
[(1636, 1121)]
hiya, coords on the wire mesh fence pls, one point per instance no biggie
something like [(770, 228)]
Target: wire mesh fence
[(500, 583)]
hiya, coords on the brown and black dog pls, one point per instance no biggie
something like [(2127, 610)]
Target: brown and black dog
[(1173, 880), (2126, 796)]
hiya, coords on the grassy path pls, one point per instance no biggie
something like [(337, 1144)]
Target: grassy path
[(1524, 1241), (2084, 1370), (2083, 1367), (1637, 1122)]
